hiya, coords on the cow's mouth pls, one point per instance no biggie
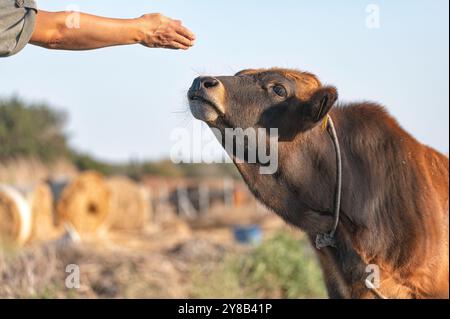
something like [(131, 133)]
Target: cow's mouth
[(203, 108), (202, 100)]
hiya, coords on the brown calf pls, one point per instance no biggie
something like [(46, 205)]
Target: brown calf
[(394, 209)]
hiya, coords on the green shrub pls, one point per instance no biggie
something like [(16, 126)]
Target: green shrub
[(31, 130), (285, 267), (281, 267), (85, 162)]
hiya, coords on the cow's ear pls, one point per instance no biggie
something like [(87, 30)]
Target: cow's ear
[(320, 104), (247, 72)]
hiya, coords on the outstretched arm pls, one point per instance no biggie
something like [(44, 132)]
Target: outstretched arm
[(60, 30)]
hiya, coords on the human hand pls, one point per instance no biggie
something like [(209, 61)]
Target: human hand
[(158, 31)]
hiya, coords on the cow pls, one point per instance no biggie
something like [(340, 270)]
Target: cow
[(393, 216)]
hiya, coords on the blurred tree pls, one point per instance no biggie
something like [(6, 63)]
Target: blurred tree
[(85, 162), (31, 130)]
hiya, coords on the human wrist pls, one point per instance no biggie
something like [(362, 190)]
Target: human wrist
[(135, 31)]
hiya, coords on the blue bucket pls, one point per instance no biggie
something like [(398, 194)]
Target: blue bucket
[(248, 234)]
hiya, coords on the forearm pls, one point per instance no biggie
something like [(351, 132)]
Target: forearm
[(60, 30)]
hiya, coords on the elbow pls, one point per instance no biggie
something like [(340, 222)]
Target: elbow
[(54, 43), (48, 40), (55, 39)]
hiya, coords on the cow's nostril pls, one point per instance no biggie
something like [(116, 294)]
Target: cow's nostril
[(209, 83)]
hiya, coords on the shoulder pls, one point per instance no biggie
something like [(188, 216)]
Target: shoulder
[(369, 126), (366, 115)]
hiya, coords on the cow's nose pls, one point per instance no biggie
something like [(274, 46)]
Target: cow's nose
[(205, 82), (209, 82)]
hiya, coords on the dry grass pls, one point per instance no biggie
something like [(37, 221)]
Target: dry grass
[(28, 274), (169, 258), (41, 273), (192, 265)]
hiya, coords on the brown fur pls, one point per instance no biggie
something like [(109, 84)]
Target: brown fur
[(307, 82)]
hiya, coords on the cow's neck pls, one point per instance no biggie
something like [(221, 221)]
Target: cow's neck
[(303, 188), (302, 193)]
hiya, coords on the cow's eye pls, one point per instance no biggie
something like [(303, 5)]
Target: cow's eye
[(280, 90)]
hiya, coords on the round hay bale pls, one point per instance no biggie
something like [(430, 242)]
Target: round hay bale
[(83, 202), (43, 220), (130, 205), (15, 217)]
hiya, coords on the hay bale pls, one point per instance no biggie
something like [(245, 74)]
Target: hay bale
[(43, 221), (82, 202), (15, 217), (130, 204)]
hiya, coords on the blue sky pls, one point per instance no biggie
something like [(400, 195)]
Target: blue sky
[(124, 102)]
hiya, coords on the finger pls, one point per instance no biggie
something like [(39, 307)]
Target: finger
[(177, 46), (182, 40), (185, 32)]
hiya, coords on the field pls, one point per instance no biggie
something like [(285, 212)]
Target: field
[(169, 258)]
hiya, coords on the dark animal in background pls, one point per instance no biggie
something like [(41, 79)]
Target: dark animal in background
[(394, 209), (193, 201)]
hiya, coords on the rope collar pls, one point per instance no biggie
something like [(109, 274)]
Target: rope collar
[(328, 239)]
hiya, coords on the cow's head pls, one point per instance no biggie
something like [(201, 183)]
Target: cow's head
[(291, 101)]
